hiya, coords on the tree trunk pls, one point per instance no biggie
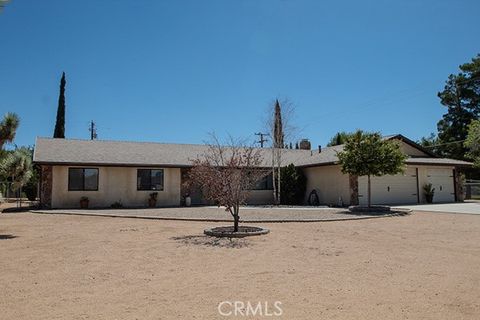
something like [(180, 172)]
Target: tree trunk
[(20, 197), (273, 177), (236, 218), (369, 192), (279, 199)]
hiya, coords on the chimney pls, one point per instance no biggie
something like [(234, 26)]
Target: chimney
[(305, 144), (319, 149)]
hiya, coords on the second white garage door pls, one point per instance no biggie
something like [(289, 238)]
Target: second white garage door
[(397, 189), (442, 181)]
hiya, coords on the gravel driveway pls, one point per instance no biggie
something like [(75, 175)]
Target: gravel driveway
[(247, 214)]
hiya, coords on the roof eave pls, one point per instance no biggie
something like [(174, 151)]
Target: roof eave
[(101, 164), (124, 165), (466, 165), (330, 163)]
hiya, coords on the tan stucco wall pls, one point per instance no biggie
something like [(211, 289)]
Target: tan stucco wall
[(114, 184), (330, 184)]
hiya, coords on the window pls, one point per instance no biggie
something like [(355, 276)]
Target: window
[(82, 179), (150, 179), (266, 183)]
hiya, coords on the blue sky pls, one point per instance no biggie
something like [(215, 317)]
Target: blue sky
[(172, 71)]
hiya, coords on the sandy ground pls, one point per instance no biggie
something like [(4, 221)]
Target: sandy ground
[(13, 204), (247, 214), (421, 266)]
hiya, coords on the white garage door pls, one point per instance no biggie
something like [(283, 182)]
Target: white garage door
[(397, 189), (442, 181)]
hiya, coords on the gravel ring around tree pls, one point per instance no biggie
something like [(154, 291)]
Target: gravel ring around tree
[(243, 231)]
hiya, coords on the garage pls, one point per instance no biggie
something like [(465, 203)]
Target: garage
[(443, 182), (392, 189)]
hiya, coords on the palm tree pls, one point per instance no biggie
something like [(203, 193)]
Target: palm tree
[(8, 128), (17, 166)]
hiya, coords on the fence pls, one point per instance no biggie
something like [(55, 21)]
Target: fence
[(8, 194), (6, 191), (472, 189)]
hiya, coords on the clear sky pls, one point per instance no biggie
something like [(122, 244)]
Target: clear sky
[(172, 71)]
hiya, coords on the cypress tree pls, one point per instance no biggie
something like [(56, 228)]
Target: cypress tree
[(278, 127), (60, 123)]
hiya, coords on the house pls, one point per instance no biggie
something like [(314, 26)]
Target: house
[(127, 172), (422, 167)]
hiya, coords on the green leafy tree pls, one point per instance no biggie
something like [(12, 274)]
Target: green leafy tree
[(472, 143), (339, 138), (60, 122), (461, 95), (8, 128), (367, 154), (431, 143), (294, 185)]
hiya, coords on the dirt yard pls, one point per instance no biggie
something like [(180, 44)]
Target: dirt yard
[(421, 266)]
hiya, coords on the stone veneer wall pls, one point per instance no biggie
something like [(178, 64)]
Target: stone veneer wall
[(459, 183), (46, 182)]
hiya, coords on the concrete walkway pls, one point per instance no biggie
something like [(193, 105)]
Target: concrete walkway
[(252, 214), (467, 207)]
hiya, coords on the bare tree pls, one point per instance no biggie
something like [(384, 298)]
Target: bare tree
[(279, 125), (227, 173)]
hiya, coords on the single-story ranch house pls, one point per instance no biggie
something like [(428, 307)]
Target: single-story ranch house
[(127, 172)]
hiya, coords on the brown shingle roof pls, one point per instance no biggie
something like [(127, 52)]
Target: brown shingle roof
[(123, 153), (329, 156)]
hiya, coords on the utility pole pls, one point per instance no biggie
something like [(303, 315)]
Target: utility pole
[(93, 131), (262, 139)]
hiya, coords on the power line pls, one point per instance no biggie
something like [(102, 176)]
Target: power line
[(391, 99), (444, 144)]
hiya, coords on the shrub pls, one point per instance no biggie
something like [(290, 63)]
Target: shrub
[(116, 205), (294, 185)]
